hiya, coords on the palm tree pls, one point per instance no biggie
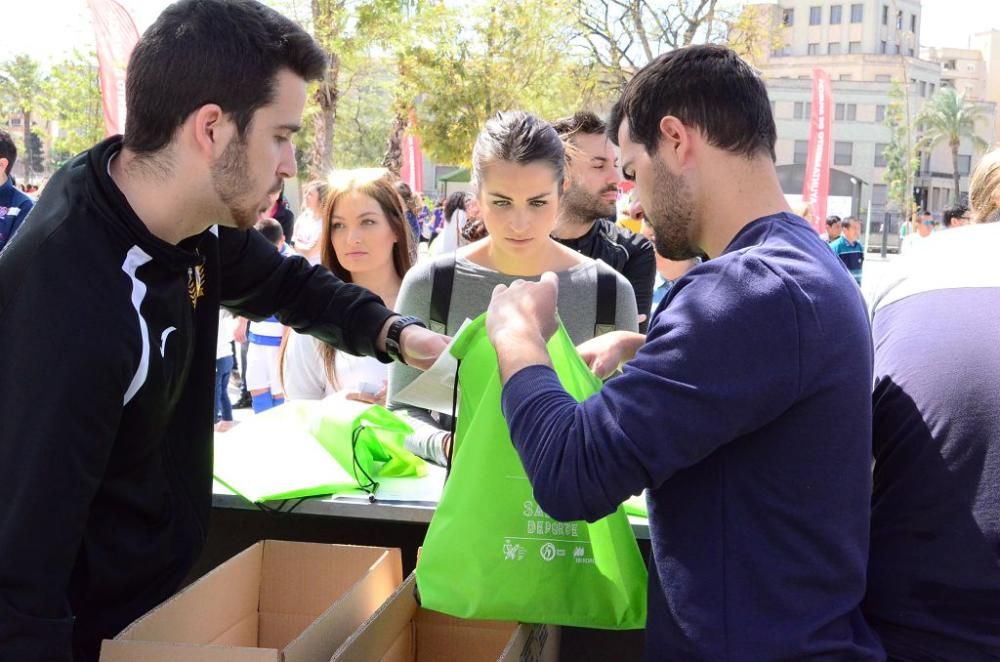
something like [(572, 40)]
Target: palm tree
[(946, 118), (21, 83)]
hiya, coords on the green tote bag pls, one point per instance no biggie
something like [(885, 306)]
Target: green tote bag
[(490, 551)]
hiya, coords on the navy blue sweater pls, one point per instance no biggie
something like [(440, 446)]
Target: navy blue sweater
[(758, 496), (14, 207)]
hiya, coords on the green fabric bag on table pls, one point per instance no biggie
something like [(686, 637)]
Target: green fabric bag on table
[(490, 551), (314, 448)]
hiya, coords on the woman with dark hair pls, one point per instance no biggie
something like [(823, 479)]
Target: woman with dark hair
[(364, 240), (518, 169), (455, 215)]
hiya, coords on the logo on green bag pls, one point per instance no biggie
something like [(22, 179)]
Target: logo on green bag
[(513, 552), (548, 551)]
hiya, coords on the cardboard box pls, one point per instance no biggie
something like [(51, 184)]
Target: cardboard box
[(403, 631), (276, 602)]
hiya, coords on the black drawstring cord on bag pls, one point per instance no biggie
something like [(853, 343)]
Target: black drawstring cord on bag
[(371, 485), (454, 419)]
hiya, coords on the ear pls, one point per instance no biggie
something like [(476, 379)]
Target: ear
[(3, 165), (676, 141), (210, 129)]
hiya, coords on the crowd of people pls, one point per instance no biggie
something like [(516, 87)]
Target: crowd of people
[(822, 472)]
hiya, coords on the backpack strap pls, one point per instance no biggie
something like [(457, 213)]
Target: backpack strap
[(442, 280), (607, 302)]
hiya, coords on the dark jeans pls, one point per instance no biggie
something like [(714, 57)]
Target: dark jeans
[(223, 407)]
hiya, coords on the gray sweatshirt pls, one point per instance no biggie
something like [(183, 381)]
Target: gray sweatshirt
[(470, 296)]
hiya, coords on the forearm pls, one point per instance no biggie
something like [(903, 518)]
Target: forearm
[(579, 462), (518, 350)]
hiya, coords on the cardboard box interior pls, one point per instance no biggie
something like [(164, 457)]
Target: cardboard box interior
[(276, 600)]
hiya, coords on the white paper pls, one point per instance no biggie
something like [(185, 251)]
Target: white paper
[(404, 490), (435, 388)]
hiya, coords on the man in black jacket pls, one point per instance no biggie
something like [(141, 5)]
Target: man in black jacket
[(587, 211), (108, 319)]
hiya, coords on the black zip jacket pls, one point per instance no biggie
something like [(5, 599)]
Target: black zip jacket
[(628, 253), (107, 377)]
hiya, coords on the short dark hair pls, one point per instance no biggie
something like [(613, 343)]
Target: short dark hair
[(8, 150), (584, 121), (226, 52), (520, 138), (708, 87), (958, 211), (846, 223), (832, 219), (271, 229)]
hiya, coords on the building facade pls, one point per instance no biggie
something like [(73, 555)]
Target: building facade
[(865, 47)]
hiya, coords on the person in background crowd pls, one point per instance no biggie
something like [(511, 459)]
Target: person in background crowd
[(934, 575), (281, 212), (587, 212), (416, 213), (455, 217), (518, 167), (223, 369), (109, 313), (924, 227), (832, 229), (955, 217), (848, 248), (758, 515), (667, 271), (309, 224), (14, 204), (365, 241), (262, 378)]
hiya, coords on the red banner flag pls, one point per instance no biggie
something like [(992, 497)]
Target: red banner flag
[(412, 170), (816, 183), (116, 37)]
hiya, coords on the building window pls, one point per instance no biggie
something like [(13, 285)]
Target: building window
[(845, 77), (857, 13), (833, 48), (846, 111), (896, 48), (883, 78), (812, 49), (854, 47), (885, 15), (880, 193), (911, 52), (880, 154), (899, 20), (801, 151), (879, 113), (882, 47), (843, 153), (815, 15), (788, 17), (802, 111), (923, 88), (964, 164), (836, 12), (913, 23), (932, 89)]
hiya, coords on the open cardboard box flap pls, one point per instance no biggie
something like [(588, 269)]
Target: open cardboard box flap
[(276, 601), (402, 631)]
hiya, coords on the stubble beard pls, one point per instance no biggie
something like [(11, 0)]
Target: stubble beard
[(583, 208), (672, 214), (230, 178)]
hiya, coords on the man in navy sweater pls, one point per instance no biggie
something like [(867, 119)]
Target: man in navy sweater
[(758, 501)]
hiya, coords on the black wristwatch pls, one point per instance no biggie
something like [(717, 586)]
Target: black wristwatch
[(392, 345)]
